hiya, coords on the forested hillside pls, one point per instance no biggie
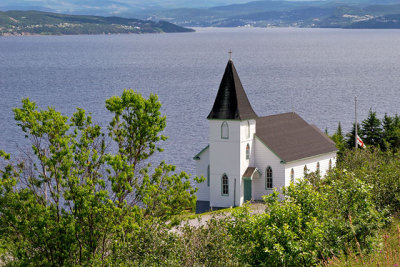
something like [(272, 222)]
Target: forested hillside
[(322, 14), (45, 23)]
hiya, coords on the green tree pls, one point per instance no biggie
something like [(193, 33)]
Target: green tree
[(136, 128), (69, 201), (350, 137), (371, 130), (391, 133), (339, 140)]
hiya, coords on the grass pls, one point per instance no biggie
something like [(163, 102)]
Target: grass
[(191, 215), (387, 252), (178, 219)]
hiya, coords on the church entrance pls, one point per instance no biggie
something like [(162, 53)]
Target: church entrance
[(247, 190)]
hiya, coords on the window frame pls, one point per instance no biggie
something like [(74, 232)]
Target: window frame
[(248, 130), (292, 175), (222, 185), (269, 180), (247, 151), (224, 124)]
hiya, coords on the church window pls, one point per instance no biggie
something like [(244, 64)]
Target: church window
[(225, 185), (292, 175), (318, 167), (247, 151), (224, 130), (248, 129), (330, 164), (208, 175), (268, 178), (305, 170)]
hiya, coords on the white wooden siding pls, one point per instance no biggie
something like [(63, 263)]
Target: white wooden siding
[(203, 193), (264, 158), (298, 166)]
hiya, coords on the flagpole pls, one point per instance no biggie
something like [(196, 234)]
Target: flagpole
[(355, 115)]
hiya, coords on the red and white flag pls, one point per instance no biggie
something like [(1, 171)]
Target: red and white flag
[(360, 142)]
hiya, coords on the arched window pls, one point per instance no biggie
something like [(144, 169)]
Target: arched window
[(208, 175), (248, 129), (305, 170), (224, 130), (247, 151), (330, 164), (268, 178), (225, 185), (292, 175), (317, 167)]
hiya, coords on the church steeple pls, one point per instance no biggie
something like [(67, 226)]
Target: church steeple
[(231, 102)]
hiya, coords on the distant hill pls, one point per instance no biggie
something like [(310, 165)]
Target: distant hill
[(121, 8), (383, 22), (46, 23), (323, 14)]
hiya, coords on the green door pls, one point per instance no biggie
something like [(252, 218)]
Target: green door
[(247, 190)]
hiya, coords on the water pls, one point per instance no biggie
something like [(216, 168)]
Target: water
[(315, 72)]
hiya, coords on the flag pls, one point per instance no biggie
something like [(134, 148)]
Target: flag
[(360, 142)]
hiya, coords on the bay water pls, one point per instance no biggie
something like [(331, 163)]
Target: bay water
[(314, 72)]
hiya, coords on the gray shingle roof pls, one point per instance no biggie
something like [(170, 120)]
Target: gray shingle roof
[(291, 138), (231, 102)]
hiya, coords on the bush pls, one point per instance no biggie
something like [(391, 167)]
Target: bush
[(313, 222), (381, 171), (70, 201)]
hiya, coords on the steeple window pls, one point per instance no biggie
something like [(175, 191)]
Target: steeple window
[(224, 130), (248, 129)]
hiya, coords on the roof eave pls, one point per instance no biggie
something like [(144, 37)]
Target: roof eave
[(197, 157), (310, 157)]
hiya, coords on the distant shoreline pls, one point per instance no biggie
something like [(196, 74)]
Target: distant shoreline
[(122, 33)]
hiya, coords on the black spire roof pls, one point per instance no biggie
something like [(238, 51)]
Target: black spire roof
[(231, 102)]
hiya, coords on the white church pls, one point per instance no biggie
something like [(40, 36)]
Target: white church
[(248, 156)]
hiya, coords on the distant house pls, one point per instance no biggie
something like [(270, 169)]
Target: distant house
[(248, 156)]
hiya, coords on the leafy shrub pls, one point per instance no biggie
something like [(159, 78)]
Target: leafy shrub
[(313, 222), (380, 170), (72, 202)]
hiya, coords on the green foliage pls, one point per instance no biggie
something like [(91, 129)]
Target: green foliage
[(387, 253), (381, 171), (391, 132), (384, 134), (339, 139), (289, 233), (70, 202), (371, 130), (312, 223), (350, 137)]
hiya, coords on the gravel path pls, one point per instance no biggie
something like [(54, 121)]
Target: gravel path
[(256, 208)]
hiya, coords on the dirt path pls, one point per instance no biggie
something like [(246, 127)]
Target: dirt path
[(202, 220)]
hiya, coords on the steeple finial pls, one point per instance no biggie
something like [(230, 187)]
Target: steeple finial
[(230, 54)]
